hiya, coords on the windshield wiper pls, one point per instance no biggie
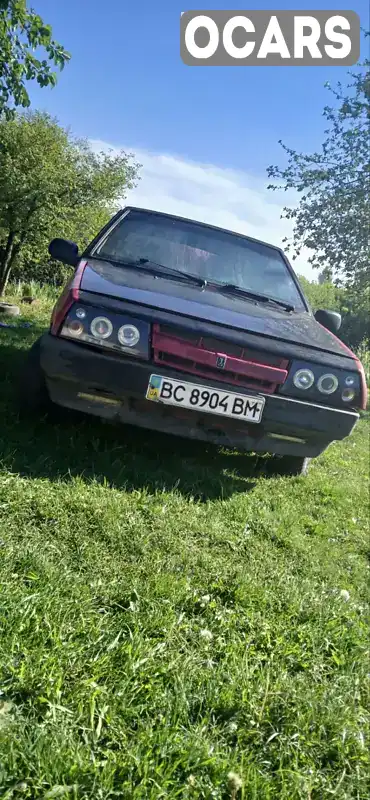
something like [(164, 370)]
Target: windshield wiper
[(231, 288), (162, 271), (175, 272)]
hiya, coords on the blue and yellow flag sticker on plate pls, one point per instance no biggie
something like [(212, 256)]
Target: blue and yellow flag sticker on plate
[(154, 387)]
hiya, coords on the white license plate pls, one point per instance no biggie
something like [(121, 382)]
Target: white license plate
[(204, 398)]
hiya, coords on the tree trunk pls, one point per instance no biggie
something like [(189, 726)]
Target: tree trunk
[(10, 253), (12, 248)]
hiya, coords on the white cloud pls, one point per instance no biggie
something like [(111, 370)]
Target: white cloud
[(220, 196)]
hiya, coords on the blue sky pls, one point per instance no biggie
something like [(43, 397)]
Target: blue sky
[(204, 135)]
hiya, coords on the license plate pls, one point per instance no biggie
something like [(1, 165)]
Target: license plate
[(205, 399)]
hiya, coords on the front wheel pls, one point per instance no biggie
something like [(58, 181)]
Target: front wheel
[(293, 466), (33, 397)]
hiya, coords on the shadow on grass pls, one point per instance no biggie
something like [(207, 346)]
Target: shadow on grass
[(123, 456)]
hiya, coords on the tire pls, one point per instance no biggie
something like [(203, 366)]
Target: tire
[(33, 397), (294, 466), (10, 309)]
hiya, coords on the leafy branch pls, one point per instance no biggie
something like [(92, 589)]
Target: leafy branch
[(332, 215), (22, 34)]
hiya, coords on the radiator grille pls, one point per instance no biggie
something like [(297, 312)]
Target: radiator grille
[(213, 358)]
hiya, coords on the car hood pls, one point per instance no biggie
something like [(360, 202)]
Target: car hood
[(139, 287)]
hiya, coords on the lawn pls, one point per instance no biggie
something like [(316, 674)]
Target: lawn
[(173, 622)]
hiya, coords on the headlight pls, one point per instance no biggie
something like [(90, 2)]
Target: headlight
[(74, 327), (128, 336), (110, 331), (331, 385), (101, 327), (348, 395), (303, 379), (327, 384)]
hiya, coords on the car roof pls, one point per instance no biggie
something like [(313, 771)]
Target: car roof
[(204, 225)]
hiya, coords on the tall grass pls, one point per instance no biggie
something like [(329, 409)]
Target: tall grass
[(19, 289)]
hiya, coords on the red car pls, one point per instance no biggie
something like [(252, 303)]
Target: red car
[(185, 328)]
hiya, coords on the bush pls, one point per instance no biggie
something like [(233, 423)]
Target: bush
[(353, 307), (364, 355)]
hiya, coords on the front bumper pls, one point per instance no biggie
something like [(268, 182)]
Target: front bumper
[(109, 386)]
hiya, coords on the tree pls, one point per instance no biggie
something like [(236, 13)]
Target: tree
[(22, 32), (53, 185), (332, 218), (326, 275), (351, 305), (322, 294)]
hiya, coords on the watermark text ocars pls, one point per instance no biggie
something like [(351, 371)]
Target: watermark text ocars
[(270, 38)]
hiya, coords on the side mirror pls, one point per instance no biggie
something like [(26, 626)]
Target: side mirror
[(329, 319), (65, 251)]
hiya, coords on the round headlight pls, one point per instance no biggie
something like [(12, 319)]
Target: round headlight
[(327, 384), (348, 395), (128, 336), (74, 327), (303, 379), (350, 380), (80, 313), (101, 328)]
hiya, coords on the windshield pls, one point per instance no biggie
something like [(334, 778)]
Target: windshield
[(213, 255)]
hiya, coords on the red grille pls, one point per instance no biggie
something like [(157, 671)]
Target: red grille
[(198, 355)]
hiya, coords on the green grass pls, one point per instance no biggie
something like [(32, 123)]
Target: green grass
[(170, 615)]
